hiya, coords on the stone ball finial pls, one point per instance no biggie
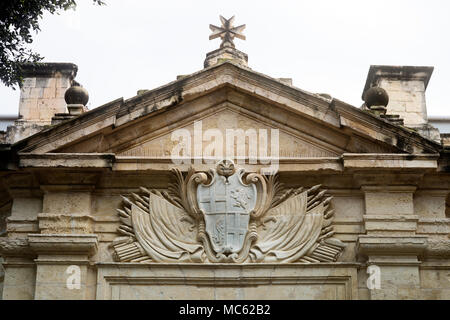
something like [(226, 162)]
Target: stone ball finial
[(76, 94), (376, 96)]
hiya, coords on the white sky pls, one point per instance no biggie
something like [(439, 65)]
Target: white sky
[(325, 46)]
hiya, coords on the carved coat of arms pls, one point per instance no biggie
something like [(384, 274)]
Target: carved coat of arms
[(227, 215), (226, 203)]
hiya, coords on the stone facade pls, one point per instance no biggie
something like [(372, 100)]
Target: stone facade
[(370, 198)]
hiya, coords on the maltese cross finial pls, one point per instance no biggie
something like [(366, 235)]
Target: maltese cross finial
[(227, 32)]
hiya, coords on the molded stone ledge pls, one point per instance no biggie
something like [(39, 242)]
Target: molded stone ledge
[(390, 161), (25, 192), (15, 247), (291, 164), (382, 178), (75, 244), (15, 226), (83, 244), (391, 245), (434, 226), (49, 69), (437, 249), (70, 160), (67, 187), (389, 188), (396, 217)]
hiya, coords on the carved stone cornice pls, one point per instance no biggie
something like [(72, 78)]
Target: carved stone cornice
[(57, 244), (23, 226), (389, 188), (75, 244), (418, 73), (374, 245), (52, 160), (25, 192), (437, 249), (358, 161), (15, 247)]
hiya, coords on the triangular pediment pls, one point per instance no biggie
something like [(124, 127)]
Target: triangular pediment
[(226, 122), (227, 97)]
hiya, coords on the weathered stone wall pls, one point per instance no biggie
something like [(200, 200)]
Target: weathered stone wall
[(389, 189), (42, 97), (387, 226)]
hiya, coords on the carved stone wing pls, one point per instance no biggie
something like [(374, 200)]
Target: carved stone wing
[(297, 230), (161, 233), (156, 230)]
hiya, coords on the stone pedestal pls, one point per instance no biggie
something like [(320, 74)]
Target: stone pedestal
[(226, 54)]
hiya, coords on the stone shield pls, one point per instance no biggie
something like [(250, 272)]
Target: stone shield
[(227, 205)]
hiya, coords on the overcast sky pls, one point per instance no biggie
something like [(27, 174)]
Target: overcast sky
[(324, 46)]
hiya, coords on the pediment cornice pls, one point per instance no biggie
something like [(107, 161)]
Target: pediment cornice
[(331, 113)]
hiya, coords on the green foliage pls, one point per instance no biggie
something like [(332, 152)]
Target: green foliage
[(18, 19)]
